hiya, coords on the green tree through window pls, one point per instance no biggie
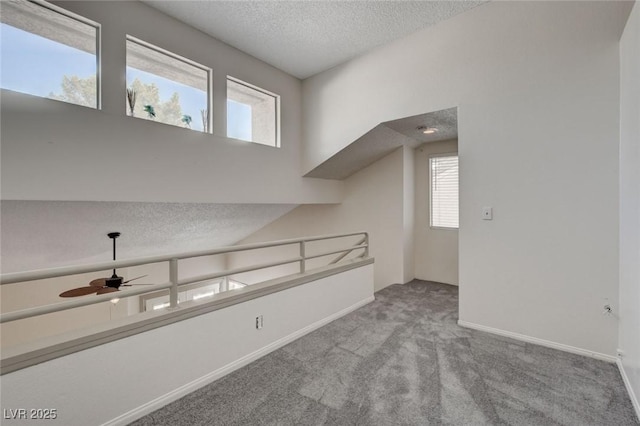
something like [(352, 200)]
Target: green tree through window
[(81, 91), (169, 112), (76, 90)]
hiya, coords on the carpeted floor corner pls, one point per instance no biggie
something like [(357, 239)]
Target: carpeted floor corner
[(403, 360)]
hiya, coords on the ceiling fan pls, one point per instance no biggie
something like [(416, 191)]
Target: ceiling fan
[(103, 285)]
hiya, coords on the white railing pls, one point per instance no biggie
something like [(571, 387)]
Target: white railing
[(174, 282)]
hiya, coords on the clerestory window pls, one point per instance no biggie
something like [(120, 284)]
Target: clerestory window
[(49, 52), (167, 88), (252, 113)]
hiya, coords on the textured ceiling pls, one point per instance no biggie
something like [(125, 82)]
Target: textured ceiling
[(44, 234), (446, 121), (385, 138), (306, 37)]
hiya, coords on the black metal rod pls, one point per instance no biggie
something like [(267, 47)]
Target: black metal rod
[(113, 236), (114, 255)]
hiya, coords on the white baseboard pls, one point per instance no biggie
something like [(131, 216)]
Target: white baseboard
[(630, 391), (178, 393), (541, 342)]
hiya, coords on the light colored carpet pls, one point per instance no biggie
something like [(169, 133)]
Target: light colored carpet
[(403, 360)]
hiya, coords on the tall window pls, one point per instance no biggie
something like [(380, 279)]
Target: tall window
[(165, 87), (443, 171), (48, 52), (252, 113)]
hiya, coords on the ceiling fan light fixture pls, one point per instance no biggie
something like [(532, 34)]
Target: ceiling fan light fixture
[(104, 285)]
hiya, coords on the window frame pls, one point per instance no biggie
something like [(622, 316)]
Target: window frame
[(266, 92), (223, 286), (430, 211), (187, 61), (84, 20)]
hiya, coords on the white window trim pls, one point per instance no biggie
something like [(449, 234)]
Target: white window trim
[(444, 154), (190, 62), (266, 92)]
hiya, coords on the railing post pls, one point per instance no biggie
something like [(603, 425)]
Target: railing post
[(303, 265), (366, 241), (173, 277)]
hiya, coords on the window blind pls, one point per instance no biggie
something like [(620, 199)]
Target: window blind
[(444, 191)]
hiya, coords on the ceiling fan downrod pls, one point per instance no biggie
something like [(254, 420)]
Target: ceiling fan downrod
[(115, 281)]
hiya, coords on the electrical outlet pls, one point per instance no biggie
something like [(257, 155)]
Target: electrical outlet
[(259, 322)]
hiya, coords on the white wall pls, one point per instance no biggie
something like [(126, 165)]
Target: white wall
[(629, 331), (69, 152), (138, 374), (373, 202), (537, 90), (436, 250), (408, 219)]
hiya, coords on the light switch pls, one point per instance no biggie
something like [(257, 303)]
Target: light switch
[(487, 213)]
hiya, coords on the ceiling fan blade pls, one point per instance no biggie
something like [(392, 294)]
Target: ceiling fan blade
[(105, 290), (99, 282), (136, 278), (131, 285), (80, 291)]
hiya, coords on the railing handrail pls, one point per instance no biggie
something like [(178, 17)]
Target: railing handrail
[(70, 304), (41, 274), (174, 282), (215, 275)]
